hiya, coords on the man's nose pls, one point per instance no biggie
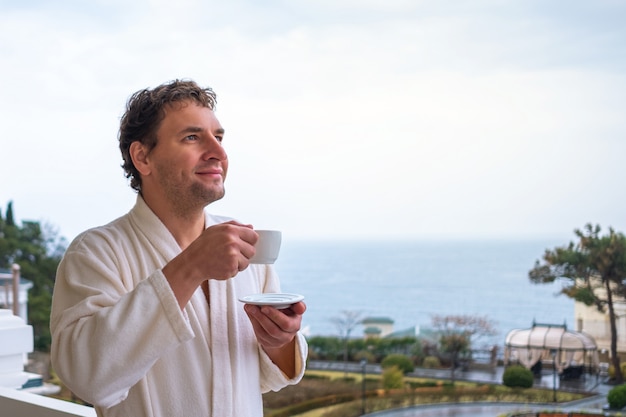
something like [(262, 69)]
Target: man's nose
[(214, 149)]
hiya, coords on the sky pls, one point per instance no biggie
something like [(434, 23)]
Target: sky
[(349, 119)]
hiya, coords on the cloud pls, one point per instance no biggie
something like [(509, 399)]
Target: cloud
[(378, 118)]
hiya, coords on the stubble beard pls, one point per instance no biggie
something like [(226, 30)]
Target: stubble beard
[(206, 196), (187, 200)]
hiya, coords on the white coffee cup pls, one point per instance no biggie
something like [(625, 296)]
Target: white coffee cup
[(267, 247)]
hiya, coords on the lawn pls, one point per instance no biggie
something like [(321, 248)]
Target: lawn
[(340, 394)]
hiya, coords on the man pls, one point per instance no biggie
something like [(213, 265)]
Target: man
[(145, 313)]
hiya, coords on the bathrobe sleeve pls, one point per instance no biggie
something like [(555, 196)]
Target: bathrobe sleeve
[(107, 332), (272, 378)]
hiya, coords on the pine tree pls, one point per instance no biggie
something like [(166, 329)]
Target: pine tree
[(593, 272)]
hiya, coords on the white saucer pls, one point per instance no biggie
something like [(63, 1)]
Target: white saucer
[(277, 300)]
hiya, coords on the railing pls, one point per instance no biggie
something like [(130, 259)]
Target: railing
[(15, 403), (556, 414)]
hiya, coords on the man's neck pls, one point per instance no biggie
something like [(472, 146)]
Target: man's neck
[(185, 227), (185, 230)]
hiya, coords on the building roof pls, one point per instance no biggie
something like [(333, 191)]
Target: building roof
[(377, 320), (550, 336), (372, 330)]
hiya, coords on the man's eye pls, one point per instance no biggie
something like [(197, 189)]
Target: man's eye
[(191, 138), (219, 138)]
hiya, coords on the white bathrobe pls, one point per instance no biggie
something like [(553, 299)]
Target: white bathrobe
[(121, 342)]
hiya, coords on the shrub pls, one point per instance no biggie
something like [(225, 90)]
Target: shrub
[(617, 397), (517, 376), (422, 384), (431, 362), (393, 378), (364, 354), (402, 362), (612, 370)]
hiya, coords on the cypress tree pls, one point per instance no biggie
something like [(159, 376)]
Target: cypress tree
[(10, 221)]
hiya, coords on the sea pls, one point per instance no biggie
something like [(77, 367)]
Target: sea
[(410, 281)]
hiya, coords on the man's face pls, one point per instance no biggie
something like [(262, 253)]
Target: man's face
[(188, 163)]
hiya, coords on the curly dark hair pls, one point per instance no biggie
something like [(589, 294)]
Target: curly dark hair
[(144, 113)]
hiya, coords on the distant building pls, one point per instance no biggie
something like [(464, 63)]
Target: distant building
[(413, 331), (371, 332), (6, 292), (596, 324), (377, 327)]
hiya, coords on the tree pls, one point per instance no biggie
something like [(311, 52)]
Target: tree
[(38, 252), (9, 217), (594, 272), (325, 347), (374, 349), (457, 331), (345, 323)]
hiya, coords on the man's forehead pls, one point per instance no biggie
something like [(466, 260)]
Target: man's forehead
[(177, 116)]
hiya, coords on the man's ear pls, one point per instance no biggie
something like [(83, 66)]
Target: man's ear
[(139, 155)]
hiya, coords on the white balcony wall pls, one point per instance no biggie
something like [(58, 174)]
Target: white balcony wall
[(17, 403)]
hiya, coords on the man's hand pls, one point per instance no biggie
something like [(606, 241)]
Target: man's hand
[(275, 328), (275, 331), (220, 252)]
